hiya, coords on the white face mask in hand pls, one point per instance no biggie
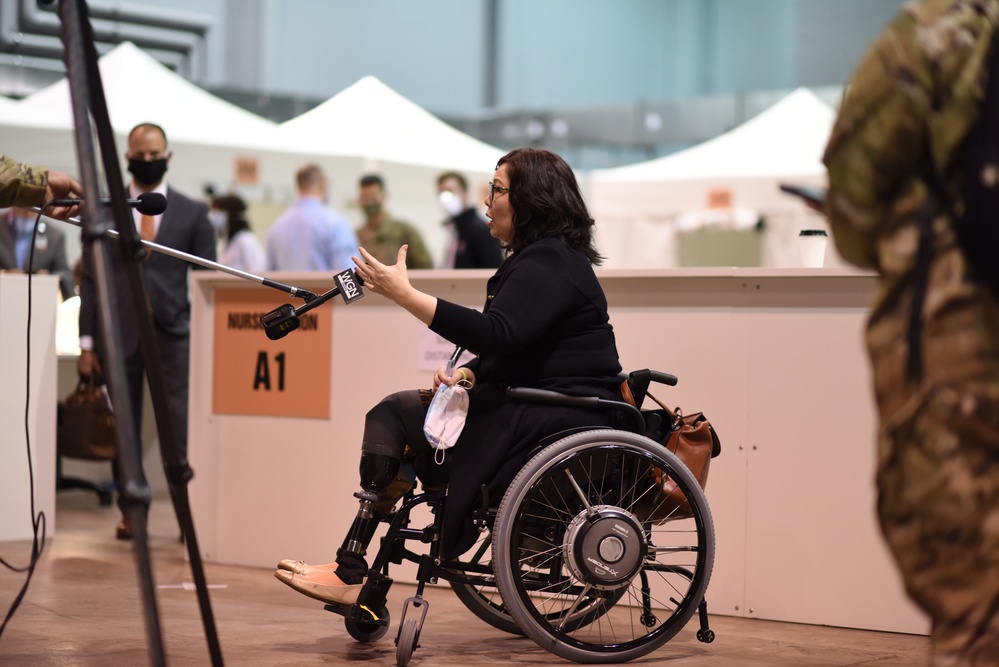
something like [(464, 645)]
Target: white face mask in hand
[(446, 417)]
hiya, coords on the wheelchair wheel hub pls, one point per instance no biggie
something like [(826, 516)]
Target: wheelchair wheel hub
[(604, 547)]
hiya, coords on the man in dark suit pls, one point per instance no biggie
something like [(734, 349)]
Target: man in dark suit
[(50, 248), (183, 226), (470, 245)]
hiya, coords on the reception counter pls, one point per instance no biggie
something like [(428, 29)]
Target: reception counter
[(15, 338), (774, 357)]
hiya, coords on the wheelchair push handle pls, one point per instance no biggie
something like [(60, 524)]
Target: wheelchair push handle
[(646, 376), (663, 378)]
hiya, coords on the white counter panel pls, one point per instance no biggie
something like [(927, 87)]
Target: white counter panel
[(774, 357)]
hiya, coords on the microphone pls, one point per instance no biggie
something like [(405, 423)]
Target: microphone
[(284, 319), (148, 203)]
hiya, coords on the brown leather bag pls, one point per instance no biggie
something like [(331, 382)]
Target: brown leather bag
[(86, 424), (694, 441)]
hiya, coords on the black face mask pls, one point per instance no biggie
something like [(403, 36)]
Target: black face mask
[(148, 172)]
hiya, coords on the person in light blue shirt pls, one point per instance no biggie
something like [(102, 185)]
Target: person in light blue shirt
[(309, 236)]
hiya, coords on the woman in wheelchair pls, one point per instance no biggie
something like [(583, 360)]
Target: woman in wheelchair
[(544, 325)]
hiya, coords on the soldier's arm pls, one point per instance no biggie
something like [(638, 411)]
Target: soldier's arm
[(877, 140), (21, 184), (27, 185)]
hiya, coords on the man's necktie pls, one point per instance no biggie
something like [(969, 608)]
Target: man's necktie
[(147, 229)]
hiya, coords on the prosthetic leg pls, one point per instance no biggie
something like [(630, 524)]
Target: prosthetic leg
[(383, 482)]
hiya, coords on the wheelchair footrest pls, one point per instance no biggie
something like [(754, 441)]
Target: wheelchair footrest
[(358, 613)]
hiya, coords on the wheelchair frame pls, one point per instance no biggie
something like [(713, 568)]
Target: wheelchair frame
[(553, 564)]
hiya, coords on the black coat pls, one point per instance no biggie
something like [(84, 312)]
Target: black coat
[(545, 325), (185, 227), (477, 247)]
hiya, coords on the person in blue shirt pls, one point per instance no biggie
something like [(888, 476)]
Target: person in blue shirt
[(16, 229), (309, 236)]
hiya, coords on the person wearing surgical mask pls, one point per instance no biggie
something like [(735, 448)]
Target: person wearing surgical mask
[(381, 235), (183, 226), (469, 245), (243, 249), (17, 227)]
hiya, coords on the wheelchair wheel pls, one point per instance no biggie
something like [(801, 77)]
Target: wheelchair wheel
[(487, 603), (407, 642), (571, 527)]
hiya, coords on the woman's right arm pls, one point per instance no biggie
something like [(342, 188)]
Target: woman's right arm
[(535, 294)]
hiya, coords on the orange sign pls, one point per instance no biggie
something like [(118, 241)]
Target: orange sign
[(247, 170), (254, 375)]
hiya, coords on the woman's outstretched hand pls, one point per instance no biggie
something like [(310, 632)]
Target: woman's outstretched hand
[(392, 282), (389, 281)]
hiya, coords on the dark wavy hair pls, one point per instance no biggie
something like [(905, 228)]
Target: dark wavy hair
[(235, 209), (546, 202)]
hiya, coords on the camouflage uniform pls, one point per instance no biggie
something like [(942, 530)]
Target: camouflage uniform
[(922, 84), (384, 242), (21, 184)]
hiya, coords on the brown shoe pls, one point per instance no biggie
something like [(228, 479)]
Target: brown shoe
[(304, 569), (123, 531), (332, 591)]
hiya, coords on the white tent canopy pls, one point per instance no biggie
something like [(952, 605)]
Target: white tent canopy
[(636, 206), (367, 127), (207, 134), (372, 121), (139, 89)]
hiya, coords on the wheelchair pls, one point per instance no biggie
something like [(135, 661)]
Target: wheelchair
[(566, 557)]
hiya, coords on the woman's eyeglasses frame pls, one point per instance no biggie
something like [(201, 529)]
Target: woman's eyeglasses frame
[(493, 189)]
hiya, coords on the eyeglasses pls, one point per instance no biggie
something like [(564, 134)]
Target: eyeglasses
[(493, 189)]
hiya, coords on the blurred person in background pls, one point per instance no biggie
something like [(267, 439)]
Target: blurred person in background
[(469, 245), (16, 230), (309, 236), (183, 226), (241, 248), (381, 235)]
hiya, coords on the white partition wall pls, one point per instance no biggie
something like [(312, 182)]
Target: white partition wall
[(773, 357), (15, 497)]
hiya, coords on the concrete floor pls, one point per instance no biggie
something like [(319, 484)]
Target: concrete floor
[(83, 608)]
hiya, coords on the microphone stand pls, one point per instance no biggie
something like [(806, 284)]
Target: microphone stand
[(276, 323), (194, 259), (87, 96)]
